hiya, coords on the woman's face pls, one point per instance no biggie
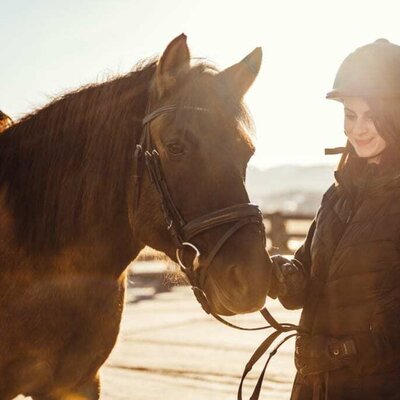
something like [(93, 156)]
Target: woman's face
[(360, 129)]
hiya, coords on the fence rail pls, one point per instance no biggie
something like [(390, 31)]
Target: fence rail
[(284, 229)]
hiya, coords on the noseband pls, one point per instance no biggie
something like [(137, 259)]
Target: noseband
[(182, 232)]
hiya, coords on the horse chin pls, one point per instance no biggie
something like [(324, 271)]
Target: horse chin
[(225, 302), (218, 308)]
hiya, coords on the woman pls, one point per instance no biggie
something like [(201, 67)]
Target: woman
[(346, 276)]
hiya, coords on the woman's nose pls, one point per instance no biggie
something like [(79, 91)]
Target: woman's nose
[(360, 127)]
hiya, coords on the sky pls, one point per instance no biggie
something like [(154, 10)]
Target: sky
[(50, 47)]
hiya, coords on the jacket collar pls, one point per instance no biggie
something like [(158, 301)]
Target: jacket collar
[(359, 178)]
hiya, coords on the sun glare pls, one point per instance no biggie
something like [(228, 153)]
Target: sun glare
[(301, 54)]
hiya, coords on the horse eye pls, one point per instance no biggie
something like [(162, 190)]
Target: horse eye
[(175, 148)]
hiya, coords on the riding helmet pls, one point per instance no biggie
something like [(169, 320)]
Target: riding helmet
[(372, 70)]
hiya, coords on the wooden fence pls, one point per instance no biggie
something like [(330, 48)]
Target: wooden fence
[(285, 232)]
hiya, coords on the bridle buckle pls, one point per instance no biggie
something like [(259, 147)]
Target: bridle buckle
[(196, 261)]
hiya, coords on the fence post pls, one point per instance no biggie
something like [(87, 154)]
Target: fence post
[(277, 234)]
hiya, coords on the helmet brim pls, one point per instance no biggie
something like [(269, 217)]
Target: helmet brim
[(335, 95)]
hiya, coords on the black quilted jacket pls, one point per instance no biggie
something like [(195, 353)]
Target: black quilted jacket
[(352, 257)]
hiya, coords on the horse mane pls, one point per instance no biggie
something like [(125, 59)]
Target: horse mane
[(66, 166)]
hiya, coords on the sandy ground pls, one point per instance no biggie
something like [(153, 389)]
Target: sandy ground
[(169, 349)]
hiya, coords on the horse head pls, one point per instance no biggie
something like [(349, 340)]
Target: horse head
[(196, 126)]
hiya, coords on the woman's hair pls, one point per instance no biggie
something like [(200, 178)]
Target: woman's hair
[(386, 116)]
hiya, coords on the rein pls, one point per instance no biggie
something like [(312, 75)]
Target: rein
[(182, 234)]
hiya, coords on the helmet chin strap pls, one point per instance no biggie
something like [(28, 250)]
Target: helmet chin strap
[(344, 149), (341, 150), (335, 150)]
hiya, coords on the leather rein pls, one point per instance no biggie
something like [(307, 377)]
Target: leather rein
[(182, 234)]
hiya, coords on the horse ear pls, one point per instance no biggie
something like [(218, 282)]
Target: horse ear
[(240, 76), (176, 57)]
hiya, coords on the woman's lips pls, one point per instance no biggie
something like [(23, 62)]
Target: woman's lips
[(363, 142)]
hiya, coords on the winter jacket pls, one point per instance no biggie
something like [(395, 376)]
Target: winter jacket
[(352, 260)]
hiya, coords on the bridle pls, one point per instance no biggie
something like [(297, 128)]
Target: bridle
[(183, 232)]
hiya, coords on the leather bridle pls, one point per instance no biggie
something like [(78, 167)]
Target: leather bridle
[(183, 232)]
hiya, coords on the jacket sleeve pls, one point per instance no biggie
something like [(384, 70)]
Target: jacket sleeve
[(303, 254)]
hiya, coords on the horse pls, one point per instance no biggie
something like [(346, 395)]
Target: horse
[(78, 204)]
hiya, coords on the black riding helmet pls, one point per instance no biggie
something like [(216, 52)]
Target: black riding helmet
[(372, 70)]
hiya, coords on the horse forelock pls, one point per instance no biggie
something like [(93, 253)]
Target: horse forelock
[(201, 90), (66, 166), (230, 120)]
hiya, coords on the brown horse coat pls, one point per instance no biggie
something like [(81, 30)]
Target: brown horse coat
[(67, 232)]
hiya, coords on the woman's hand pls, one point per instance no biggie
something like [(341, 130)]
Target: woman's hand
[(288, 278)]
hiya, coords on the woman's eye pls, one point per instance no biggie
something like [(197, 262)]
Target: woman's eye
[(175, 148)]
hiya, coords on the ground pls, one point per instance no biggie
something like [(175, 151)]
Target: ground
[(169, 349)]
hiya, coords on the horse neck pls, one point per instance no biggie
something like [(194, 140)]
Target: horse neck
[(77, 190), (99, 251), (107, 251)]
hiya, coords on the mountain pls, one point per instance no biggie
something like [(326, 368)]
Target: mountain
[(289, 188)]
